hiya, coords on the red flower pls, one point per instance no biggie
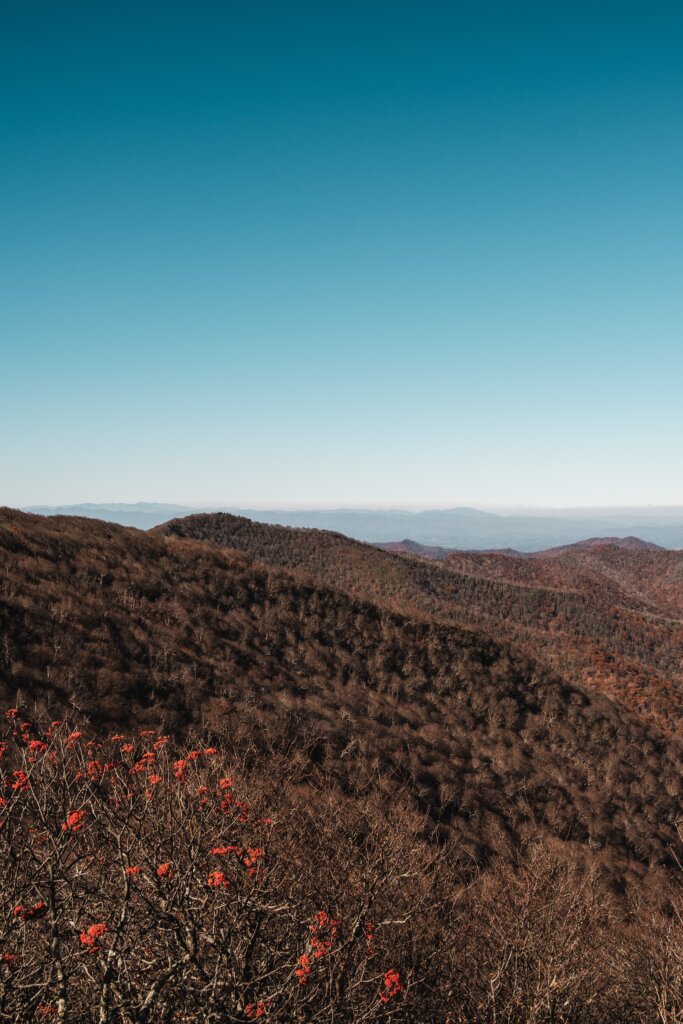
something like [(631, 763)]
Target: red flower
[(11, 713), (392, 984), (251, 858), (225, 783), (304, 968), (30, 913), (71, 739), (143, 764), (95, 770), (323, 933), (254, 1010), (221, 851), (74, 821), (37, 746), (217, 880), (154, 780), (165, 870), (90, 936), (209, 751), (179, 768), (20, 781), (133, 870)]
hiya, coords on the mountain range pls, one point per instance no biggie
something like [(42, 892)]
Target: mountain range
[(462, 528)]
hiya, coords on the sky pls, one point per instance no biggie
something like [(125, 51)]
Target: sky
[(341, 254)]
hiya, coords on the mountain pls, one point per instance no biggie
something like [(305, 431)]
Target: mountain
[(411, 547), (130, 628), (606, 616), (143, 515), (461, 528)]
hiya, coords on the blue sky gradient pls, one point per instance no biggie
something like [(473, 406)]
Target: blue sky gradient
[(276, 254)]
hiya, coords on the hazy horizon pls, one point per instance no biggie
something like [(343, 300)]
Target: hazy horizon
[(501, 508)]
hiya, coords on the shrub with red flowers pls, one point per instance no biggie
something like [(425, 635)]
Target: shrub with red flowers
[(146, 882)]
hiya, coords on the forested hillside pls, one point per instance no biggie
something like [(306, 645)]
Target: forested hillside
[(128, 627), (608, 617)]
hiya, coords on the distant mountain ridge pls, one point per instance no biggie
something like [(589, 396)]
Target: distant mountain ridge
[(458, 528), (412, 547)]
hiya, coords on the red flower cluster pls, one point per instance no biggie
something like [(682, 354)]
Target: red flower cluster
[(165, 870), (94, 769), (392, 985), (74, 821), (217, 880), (304, 968), (30, 913), (90, 936), (20, 783), (147, 759), (323, 933), (254, 1010), (251, 858), (133, 870)]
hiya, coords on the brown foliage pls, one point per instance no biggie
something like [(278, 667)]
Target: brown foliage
[(144, 882), (133, 628), (608, 616)]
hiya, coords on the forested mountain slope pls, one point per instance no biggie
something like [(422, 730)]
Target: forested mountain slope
[(129, 627), (606, 616)]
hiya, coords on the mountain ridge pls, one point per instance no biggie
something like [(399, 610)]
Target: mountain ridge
[(584, 612), (463, 528)]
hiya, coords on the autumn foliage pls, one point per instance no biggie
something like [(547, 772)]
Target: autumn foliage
[(146, 882)]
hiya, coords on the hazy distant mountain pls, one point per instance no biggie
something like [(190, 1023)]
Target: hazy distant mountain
[(436, 554), (459, 528)]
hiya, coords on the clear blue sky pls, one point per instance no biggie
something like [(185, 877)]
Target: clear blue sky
[(281, 253)]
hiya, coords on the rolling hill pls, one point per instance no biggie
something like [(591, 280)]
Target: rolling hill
[(607, 616), (134, 628)]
